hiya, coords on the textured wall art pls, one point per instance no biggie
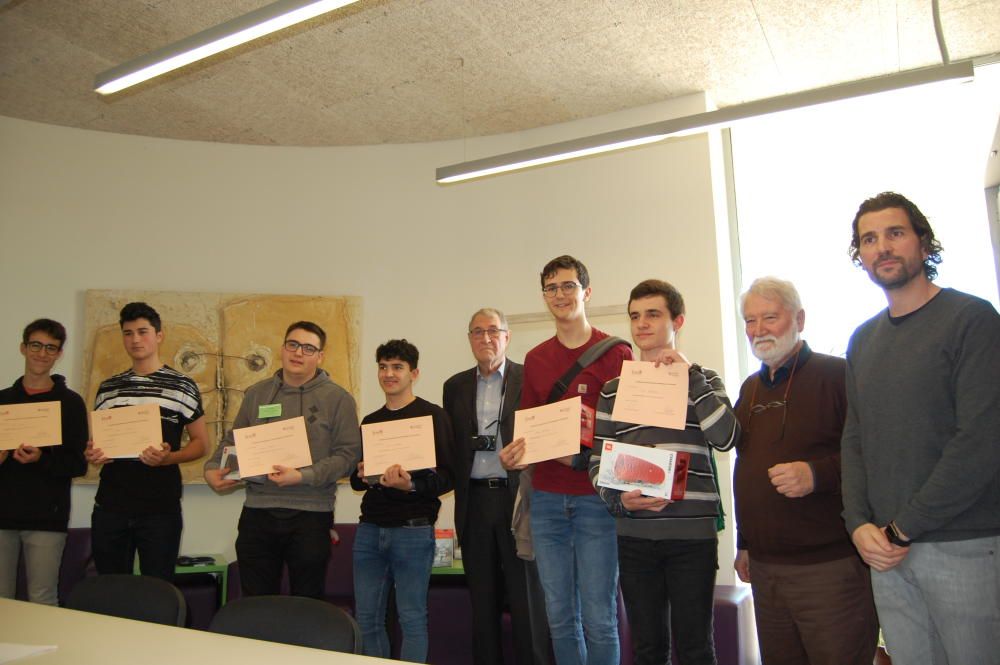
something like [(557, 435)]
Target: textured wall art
[(226, 342)]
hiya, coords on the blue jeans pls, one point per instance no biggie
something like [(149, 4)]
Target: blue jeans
[(576, 550), (387, 557), (941, 604)]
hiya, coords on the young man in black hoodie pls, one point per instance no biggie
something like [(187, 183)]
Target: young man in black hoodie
[(34, 481)]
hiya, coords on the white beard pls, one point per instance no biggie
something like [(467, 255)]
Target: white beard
[(780, 348)]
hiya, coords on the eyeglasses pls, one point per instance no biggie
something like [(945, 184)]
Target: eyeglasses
[(50, 349), (492, 332), (307, 349), (776, 404), (761, 408), (566, 288)]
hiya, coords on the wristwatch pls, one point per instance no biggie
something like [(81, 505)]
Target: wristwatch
[(892, 533)]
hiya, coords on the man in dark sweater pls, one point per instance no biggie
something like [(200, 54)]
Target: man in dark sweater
[(812, 594), (35, 480), (394, 545), (921, 456)]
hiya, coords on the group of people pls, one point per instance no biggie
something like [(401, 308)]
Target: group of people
[(871, 483)]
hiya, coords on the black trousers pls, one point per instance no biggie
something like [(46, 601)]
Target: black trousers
[(497, 577), (116, 537), (270, 538)]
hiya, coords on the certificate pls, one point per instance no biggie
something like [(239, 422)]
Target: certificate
[(549, 431), (650, 395), (408, 443), (262, 447), (34, 424), (653, 471), (126, 431)]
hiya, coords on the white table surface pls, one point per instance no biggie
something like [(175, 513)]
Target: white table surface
[(84, 638)]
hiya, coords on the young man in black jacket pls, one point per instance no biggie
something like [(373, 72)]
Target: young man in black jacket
[(35, 480)]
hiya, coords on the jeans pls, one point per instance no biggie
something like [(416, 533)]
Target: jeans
[(941, 604), (399, 557), (577, 555), (116, 537), (270, 539), (42, 558), (669, 589)]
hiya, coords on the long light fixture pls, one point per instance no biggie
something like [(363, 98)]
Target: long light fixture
[(692, 124), (242, 29)]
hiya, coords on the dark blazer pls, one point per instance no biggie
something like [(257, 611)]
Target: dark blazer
[(459, 402)]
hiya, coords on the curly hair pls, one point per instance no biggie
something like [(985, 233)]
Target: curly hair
[(917, 220)]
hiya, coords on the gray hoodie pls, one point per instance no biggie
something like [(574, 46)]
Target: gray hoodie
[(334, 440)]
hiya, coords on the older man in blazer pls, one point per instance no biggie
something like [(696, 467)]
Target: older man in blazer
[(481, 403)]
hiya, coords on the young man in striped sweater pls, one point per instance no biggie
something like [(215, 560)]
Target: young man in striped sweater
[(667, 551)]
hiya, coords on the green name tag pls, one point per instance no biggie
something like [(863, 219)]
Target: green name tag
[(268, 410)]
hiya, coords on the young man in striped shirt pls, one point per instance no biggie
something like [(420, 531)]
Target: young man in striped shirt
[(668, 551), (138, 502)]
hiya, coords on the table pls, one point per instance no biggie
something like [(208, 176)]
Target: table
[(94, 639), (220, 569)]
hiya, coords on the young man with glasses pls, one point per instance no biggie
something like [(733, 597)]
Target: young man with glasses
[(287, 515), (572, 533), (668, 551), (481, 403), (138, 502), (35, 481), (812, 595), (394, 545)]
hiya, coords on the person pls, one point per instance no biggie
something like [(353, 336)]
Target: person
[(35, 480), (572, 532), (394, 545), (668, 550), (138, 502), (812, 593), (287, 515), (921, 461), (480, 403)]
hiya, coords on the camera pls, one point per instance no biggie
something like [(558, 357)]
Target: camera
[(484, 442)]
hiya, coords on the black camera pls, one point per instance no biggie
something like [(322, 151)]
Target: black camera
[(484, 442)]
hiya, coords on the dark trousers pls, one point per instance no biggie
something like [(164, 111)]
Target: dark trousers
[(117, 537), (668, 587), (495, 574), (270, 538)]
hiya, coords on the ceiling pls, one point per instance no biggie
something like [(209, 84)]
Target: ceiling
[(397, 71)]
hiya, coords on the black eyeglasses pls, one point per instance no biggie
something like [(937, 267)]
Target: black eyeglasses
[(492, 332), (307, 349), (567, 289), (37, 347)]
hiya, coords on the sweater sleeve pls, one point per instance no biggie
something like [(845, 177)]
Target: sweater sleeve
[(970, 459), (711, 405), (853, 481), (67, 461), (344, 447), (604, 430), (242, 420)]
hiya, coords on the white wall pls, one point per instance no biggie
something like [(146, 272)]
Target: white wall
[(87, 210)]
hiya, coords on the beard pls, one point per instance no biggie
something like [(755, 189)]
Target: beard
[(779, 349), (899, 278)]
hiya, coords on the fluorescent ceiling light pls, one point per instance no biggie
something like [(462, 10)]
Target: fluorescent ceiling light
[(692, 124), (240, 30)]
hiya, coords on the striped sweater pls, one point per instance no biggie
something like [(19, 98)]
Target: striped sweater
[(710, 422)]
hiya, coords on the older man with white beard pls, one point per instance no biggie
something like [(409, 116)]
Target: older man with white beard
[(812, 593)]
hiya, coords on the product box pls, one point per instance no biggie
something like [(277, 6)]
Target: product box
[(656, 472)]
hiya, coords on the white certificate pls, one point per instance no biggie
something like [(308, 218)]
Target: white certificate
[(34, 424), (261, 447), (549, 431), (126, 431), (650, 395), (408, 443)]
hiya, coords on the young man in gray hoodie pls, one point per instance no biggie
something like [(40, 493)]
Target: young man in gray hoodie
[(287, 514)]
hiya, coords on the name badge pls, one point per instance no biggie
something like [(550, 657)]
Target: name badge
[(268, 410)]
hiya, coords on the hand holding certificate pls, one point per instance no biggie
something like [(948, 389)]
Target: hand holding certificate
[(408, 443), (262, 448), (34, 424), (549, 431), (125, 432), (651, 395)]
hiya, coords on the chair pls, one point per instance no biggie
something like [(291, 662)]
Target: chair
[(305, 622), (130, 597)]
